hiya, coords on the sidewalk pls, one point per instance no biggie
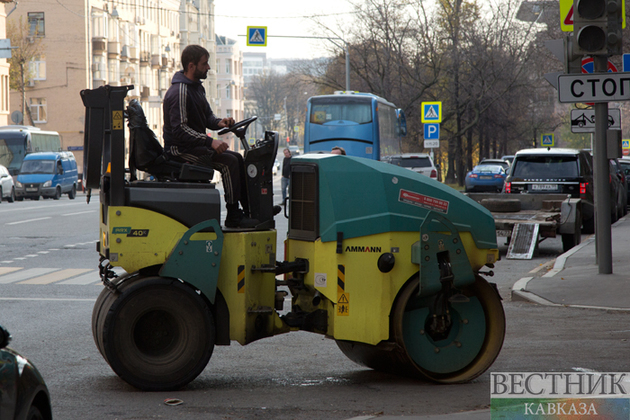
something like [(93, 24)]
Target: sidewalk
[(575, 281)]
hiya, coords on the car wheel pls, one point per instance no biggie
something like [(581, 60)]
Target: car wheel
[(73, 192), (57, 195), (34, 413), (12, 195)]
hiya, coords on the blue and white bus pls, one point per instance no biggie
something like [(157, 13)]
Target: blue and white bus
[(18, 140), (365, 125)]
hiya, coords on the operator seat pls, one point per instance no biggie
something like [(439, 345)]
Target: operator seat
[(181, 191), (147, 154)]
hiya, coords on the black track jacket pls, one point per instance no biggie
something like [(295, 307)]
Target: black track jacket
[(187, 114)]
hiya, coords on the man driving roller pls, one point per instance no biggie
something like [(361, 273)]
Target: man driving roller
[(187, 115)]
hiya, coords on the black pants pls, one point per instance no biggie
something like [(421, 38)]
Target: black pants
[(229, 164)]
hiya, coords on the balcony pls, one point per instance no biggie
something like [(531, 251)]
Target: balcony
[(145, 92), (124, 53), (133, 54), (156, 61), (145, 58), (99, 46), (113, 49)]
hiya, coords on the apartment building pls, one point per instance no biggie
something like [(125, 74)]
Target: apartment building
[(4, 70), (91, 43), (230, 99)]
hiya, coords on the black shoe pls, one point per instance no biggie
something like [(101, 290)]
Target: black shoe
[(236, 219), (276, 210)]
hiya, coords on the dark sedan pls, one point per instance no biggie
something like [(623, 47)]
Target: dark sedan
[(23, 392), (486, 178)]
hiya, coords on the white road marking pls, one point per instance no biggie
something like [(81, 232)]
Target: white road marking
[(50, 299), (28, 221), (56, 276), (25, 274), (80, 212), (7, 270), (88, 278)]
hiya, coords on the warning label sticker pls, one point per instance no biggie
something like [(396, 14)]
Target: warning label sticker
[(117, 120), (343, 304), (424, 201)]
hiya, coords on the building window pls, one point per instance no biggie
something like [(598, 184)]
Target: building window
[(228, 91), (36, 23), (227, 66), (218, 65), (99, 68), (38, 110), (38, 68)]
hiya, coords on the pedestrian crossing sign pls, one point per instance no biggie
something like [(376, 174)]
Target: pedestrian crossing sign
[(431, 112), (256, 36), (547, 140)]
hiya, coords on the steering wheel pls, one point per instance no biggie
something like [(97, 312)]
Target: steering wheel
[(238, 125)]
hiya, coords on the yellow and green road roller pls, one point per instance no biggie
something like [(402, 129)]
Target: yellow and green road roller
[(382, 260)]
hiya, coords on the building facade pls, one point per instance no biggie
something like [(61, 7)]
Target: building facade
[(230, 99), (91, 43)]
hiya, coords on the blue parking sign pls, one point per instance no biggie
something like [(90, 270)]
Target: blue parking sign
[(432, 131)]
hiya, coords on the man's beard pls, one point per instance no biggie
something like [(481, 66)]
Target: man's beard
[(200, 74)]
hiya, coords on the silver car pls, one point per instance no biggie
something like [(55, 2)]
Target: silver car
[(7, 188), (417, 162)]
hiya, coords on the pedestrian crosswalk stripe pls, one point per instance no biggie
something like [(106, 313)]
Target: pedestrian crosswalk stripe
[(88, 278), (56, 276), (25, 274), (7, 270)]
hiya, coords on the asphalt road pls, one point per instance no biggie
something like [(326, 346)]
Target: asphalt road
[(294, 376)]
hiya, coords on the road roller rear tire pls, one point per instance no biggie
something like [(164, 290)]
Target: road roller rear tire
[(473, 341), (158, 334)]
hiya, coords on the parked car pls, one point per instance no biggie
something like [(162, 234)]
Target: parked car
[(556, 171), (23, 392), (509, 158), (276, 167), (295, 150), (7, 188), (504, 163), (417, 162), (624, 163), (486, 177), (48, 175), (618, 191)]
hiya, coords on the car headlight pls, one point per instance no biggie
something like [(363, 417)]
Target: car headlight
[(18, 184), (47, 184)]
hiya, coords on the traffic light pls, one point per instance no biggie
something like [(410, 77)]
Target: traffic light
[(597, 27), (572, 59)]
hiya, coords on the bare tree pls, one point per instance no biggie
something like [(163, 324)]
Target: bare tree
[(29, 47)]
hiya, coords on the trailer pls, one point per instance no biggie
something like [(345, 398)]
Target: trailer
[(527, 219)]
